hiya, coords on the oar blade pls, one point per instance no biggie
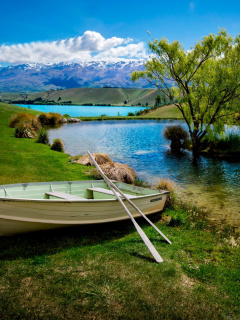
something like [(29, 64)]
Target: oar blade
[(149, 245)]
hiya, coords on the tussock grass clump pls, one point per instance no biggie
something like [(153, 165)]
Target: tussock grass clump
[(118, 171), (177, 135), (50, 118), (24, 118), (25, 130), (42, 136), (168, 185), (113, 170), (100, 158), (58, 145)]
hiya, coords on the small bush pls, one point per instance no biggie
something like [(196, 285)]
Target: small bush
[(177, 220), (42, 136), (56, 118), (177, 135), (50, 118), (25, 130), (227, 144), (66, 115), (43, 118), (24, 118), (131, 114), (57, 145)]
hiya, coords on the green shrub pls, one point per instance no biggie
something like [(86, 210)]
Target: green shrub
[(42, 136), (227, 144), (138, 113), (25, 130), (57, 145), (131, 114), (66, 115)]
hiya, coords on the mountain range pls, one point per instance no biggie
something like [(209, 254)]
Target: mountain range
[(40, 77)]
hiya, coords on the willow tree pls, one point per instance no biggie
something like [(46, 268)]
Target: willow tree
[(203, 82)]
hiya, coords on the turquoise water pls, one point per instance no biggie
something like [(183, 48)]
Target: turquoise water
[(210, 182), (85, 111)]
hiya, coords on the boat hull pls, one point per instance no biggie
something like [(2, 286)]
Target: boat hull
[(27, 215)]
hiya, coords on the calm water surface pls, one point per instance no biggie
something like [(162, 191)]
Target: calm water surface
[(84, 111), (211, 183)]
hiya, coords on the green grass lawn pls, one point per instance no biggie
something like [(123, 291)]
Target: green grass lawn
[(24, 160), (105, 271)]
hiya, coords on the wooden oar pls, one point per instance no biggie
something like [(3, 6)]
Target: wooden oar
[(144, 237), (139, 211), (130, 202)]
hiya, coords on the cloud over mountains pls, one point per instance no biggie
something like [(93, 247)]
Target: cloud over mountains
[(92, 46)]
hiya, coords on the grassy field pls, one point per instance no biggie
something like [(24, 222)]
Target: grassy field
[(165, 112), (105, 271), (114, 96)]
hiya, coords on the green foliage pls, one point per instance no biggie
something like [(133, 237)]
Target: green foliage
[(66, 115), (42, 136), (226, 144), (57, 145), (207, 80), (131, 114), (158, 99)]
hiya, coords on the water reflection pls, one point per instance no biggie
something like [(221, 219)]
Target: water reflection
[(209, 182)]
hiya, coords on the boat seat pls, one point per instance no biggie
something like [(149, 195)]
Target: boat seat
[(65, 196), (110, 192)]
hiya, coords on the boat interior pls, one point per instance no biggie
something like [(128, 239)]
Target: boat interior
[(71, 190)]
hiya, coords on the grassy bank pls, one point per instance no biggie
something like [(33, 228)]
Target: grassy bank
[(170, 112), (105, 271), (165, 112), (24, 160)]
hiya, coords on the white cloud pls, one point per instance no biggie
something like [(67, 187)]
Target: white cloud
[(130, 51), (91, 46)]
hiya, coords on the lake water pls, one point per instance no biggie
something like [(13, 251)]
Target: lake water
[(84, 111), (211, 183)]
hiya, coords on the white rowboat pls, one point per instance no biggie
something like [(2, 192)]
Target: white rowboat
[(31, 207)]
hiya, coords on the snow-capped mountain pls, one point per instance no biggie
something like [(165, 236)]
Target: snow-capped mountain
[(39, 77)]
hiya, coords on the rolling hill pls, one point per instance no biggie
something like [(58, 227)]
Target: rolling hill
[(113, 96)]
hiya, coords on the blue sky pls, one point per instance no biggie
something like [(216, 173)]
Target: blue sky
[(53, 31)]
